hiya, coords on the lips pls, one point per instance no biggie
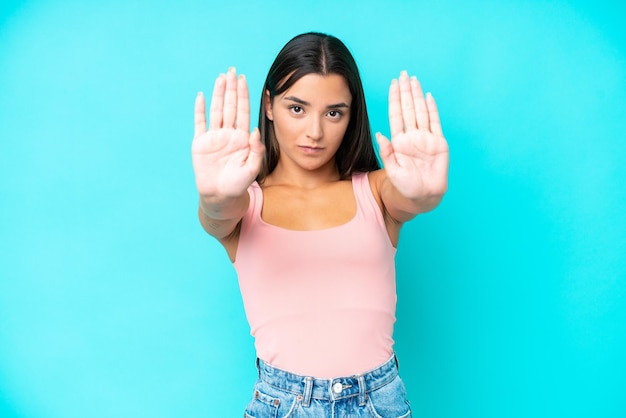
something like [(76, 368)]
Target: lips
[(309, 149)]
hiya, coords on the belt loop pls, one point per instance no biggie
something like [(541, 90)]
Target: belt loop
[(308, 392), (258, 367), (361, 390)]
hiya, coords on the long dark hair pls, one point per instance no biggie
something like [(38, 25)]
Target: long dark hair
[(318, 53)]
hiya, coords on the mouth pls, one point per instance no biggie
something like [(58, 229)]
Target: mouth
[(309, 149)]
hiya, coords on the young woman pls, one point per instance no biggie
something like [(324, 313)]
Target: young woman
[(311, 223)]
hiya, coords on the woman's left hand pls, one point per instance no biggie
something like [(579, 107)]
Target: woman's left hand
[(416, 159)]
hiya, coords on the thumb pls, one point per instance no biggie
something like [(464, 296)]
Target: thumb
[(255, 143), (385, 150), (257, 150)]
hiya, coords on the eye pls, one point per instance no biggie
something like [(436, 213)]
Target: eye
[(335, 114), (296, 109)]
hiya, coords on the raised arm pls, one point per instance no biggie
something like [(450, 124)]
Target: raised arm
[(416, 159), (226, 157)]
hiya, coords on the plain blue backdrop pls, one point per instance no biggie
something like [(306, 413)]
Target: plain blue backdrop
[(115, 303)]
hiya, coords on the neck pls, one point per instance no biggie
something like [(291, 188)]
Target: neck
[(306, 179)]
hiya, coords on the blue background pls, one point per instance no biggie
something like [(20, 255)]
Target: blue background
[(114, 303)]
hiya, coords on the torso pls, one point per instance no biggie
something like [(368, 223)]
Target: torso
[(303, 209), (323, 207), (305, 288)]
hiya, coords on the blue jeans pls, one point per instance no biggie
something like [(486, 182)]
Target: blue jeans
[(379, 393)]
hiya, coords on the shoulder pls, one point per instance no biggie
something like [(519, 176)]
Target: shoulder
[(378, 180), (255, 201)]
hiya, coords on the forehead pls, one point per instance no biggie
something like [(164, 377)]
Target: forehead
[(322, 89)]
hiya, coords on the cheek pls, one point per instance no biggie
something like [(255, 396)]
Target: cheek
[(285, 129), (285, 126), (338, 131)]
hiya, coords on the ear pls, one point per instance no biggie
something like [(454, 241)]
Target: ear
[(268, 106)]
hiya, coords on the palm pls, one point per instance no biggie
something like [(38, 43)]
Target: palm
[(226, 157), (220, 162), (416, 159), (421, 164)]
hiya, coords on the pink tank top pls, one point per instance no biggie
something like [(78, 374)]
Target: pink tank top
[(319, 303)]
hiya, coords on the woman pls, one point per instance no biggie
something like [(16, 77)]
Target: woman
[(311, 223)]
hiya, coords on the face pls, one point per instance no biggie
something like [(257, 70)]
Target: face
[(310, 119)]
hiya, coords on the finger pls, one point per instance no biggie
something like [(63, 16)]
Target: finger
[(230, 99), (257, 151), (199, 116), (385, 150), (216, 112), (243, 105), (395, 111), (408, 105), (420, 104), (256, 145), (433, 115)]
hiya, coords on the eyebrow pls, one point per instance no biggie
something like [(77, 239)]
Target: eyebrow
[(305, 103)]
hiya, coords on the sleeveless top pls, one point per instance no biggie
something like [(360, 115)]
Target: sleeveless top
[(319, 303)]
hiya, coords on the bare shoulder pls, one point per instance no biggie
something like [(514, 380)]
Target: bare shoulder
[(378, 181)]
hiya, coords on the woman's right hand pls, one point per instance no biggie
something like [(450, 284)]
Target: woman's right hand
[(226, 157)]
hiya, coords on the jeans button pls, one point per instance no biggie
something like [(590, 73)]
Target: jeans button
[(337, 387)]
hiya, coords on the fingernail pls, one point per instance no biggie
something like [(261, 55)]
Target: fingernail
[(404, 73), (242, 77), (231, 69)]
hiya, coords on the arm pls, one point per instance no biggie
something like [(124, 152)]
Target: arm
[(221, 220), (416, 159), (226, 157)]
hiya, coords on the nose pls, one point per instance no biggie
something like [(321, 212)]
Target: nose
[(314, 128)]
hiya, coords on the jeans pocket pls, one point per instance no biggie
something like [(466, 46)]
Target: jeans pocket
[(267, 402), (389, 401)]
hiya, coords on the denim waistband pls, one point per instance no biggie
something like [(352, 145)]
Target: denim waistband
[(328, 389)]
